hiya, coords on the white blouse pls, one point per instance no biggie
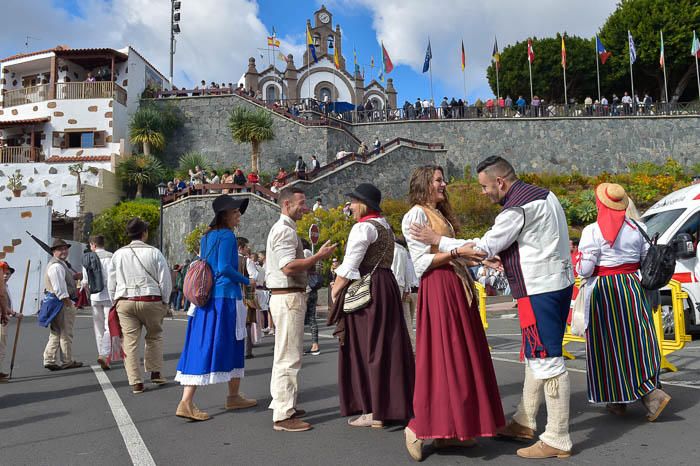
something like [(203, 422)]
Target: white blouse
[(361, 236), (629, 247)]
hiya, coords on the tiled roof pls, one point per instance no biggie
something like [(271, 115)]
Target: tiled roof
[(81, 158), (64, 50), (31, 54)]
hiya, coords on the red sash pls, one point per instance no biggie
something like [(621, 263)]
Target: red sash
[(602, 271)]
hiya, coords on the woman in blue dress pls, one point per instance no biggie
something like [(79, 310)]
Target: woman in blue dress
[(215, 339)]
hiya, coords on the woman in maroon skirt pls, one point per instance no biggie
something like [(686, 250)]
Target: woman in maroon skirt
[(375, 360), (456, 394)]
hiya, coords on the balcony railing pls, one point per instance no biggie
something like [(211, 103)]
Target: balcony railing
[(20, 154), (64, 91)]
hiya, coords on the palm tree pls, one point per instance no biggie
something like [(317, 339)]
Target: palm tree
[(140, 170), (146, 128), (253, 126)]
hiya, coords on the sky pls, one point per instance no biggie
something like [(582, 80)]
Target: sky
[(218, 36)]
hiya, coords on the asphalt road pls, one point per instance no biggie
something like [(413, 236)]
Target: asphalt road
[(62, 418)]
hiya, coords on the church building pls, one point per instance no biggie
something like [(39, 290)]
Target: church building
[(320, 80)]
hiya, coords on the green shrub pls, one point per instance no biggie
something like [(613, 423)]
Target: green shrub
[(189, 161), (194, 237), (112, 222)]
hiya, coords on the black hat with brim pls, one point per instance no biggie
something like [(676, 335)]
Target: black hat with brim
[(369, 194), (225, 202)]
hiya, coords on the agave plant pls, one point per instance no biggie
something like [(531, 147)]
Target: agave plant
[(146, 128), (140, 170), (188, 161), (253, 126)]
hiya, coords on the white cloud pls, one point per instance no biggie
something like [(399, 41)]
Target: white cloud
[(405, 25), (216, 41)]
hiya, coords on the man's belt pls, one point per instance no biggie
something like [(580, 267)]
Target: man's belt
[(287, 290), (148, 299)]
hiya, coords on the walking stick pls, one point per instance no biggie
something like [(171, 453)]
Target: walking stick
[(19, 320)]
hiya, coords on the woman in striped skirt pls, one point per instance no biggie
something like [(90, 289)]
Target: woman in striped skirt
[(623, 361)]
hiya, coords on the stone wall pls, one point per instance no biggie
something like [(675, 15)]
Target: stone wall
[(390, 172), (206, 130), (182, 216), (588, 145)]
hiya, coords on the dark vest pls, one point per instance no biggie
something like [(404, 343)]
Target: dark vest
[(381, 251)]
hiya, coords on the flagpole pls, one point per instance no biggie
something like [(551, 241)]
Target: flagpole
[(529, 66), (697, 71), (597, 66), (308, 69), (565, 96), (498, 86), (430, 70), (634, 99), (664, 67)]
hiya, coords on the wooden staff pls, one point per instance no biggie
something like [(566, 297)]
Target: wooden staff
[(19, 319)]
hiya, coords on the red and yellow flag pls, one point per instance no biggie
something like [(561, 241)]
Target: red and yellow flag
[(563, 53), (388, 66), (464, 57)]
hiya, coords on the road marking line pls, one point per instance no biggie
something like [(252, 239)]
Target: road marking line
[(132, 439)]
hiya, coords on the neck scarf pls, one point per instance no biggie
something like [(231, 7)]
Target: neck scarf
[(370, 215), (610, 221)]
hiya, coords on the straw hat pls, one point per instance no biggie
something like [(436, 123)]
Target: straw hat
[(612, 196)]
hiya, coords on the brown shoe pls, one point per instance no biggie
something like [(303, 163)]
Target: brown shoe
[(414, 445), (440, 443), (137, 388), (541, 450), (655, 402), (4, 378), (292, 424), (103, 363), (239, 402), (157, 379), (53, 367), (516, 431), (191, 412), (618, 409)]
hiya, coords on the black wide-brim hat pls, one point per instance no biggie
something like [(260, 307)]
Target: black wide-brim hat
[(225, 202), (369, 194)]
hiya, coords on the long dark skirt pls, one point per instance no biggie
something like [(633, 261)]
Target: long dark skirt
[(456, 388), (376, 369)]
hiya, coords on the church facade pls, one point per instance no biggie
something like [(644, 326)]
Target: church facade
[(320, 80)]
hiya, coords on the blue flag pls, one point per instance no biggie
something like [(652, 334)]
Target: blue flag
[(633, 51), (428, 57)]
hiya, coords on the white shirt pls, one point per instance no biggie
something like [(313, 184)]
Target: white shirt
[(252, 269), (315, 164), (626, 99), (317, 206), (361, 236), (400, 268), (629, 247), (283, 246), (105, 260), (128, 279), (57, 278)]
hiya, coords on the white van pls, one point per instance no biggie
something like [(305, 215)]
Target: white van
[(676, 217)]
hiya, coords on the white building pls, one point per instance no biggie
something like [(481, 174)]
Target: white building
[(320, 80), (61, 107)]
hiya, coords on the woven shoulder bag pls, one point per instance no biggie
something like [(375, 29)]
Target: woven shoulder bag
[(358, 295)]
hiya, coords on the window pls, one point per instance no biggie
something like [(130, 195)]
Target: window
[(692, 227), (659, 223), (325, 95), (78, 139), (330, 42)]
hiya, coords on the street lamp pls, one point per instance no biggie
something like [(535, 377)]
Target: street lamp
[(174, 29), (162, 187)]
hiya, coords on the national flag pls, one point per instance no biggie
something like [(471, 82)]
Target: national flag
[(428, 57), (336, 58), (496, 54), (381, 76), (310, 44), (530, 51), (388, 66), (464, 57), (371, 62), (563, 53), (272, 41), (662, 58), (354, 59), (633, 51), (602, 53), (282, 56), (695, 49)]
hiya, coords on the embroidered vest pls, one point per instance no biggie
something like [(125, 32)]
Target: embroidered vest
[(381, 251), (71, 286), (440, 225)]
